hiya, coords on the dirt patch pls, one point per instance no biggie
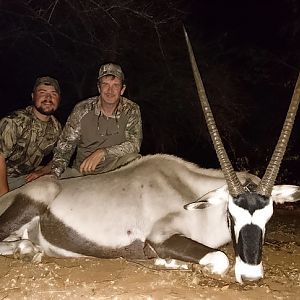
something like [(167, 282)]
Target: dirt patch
[(90, 278)]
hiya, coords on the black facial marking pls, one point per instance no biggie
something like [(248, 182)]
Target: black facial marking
[(249, 245), (251, 201)]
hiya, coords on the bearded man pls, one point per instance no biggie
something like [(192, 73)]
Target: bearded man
[(29, 135)]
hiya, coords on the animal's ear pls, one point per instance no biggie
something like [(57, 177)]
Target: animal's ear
[(285, 193), (199, 204), (214, 197)]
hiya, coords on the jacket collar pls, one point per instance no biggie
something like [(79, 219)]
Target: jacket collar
[(118, 109)]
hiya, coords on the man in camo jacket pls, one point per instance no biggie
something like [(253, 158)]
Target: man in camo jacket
[(28, 135), (105, 130)]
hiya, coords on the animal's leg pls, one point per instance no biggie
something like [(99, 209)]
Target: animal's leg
[(184, 249), (26, 250), (20, 246), (22, 249), (20, 212)]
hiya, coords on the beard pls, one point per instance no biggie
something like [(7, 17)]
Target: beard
[(43, 111)]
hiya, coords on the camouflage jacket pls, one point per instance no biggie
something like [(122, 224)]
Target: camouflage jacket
[(87, 130), (25, 140)]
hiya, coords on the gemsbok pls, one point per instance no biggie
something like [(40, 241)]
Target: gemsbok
[(158, 206)]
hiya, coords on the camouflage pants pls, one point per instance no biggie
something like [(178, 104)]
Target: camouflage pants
[(15, 182)]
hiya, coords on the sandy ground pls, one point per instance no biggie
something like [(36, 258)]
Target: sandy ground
[(90, 278)]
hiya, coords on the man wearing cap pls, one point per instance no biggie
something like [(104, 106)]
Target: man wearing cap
[(29, 135), (105, 130)]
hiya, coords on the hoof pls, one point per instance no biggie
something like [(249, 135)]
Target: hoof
[(27, 251)]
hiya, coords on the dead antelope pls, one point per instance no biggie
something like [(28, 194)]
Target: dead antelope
[(149, 209)]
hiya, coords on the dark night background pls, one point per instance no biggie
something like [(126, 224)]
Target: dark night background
[(248, 53)]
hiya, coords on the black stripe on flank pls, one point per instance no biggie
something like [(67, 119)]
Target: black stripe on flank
[(64, 237), (21, 211)]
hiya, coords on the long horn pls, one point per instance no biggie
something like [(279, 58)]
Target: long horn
[(268, 180), (235, 187)]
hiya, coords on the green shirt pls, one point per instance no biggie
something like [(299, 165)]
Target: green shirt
[(25, 140), (87, 130)]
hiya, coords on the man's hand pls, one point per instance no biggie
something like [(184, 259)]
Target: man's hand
[(92, 161), (38, 173)]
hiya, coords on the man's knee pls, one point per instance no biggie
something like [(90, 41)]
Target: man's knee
[(70, 173), (16, 182)]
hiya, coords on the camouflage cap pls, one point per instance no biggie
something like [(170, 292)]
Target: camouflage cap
[(47, 81), (111, 69)]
